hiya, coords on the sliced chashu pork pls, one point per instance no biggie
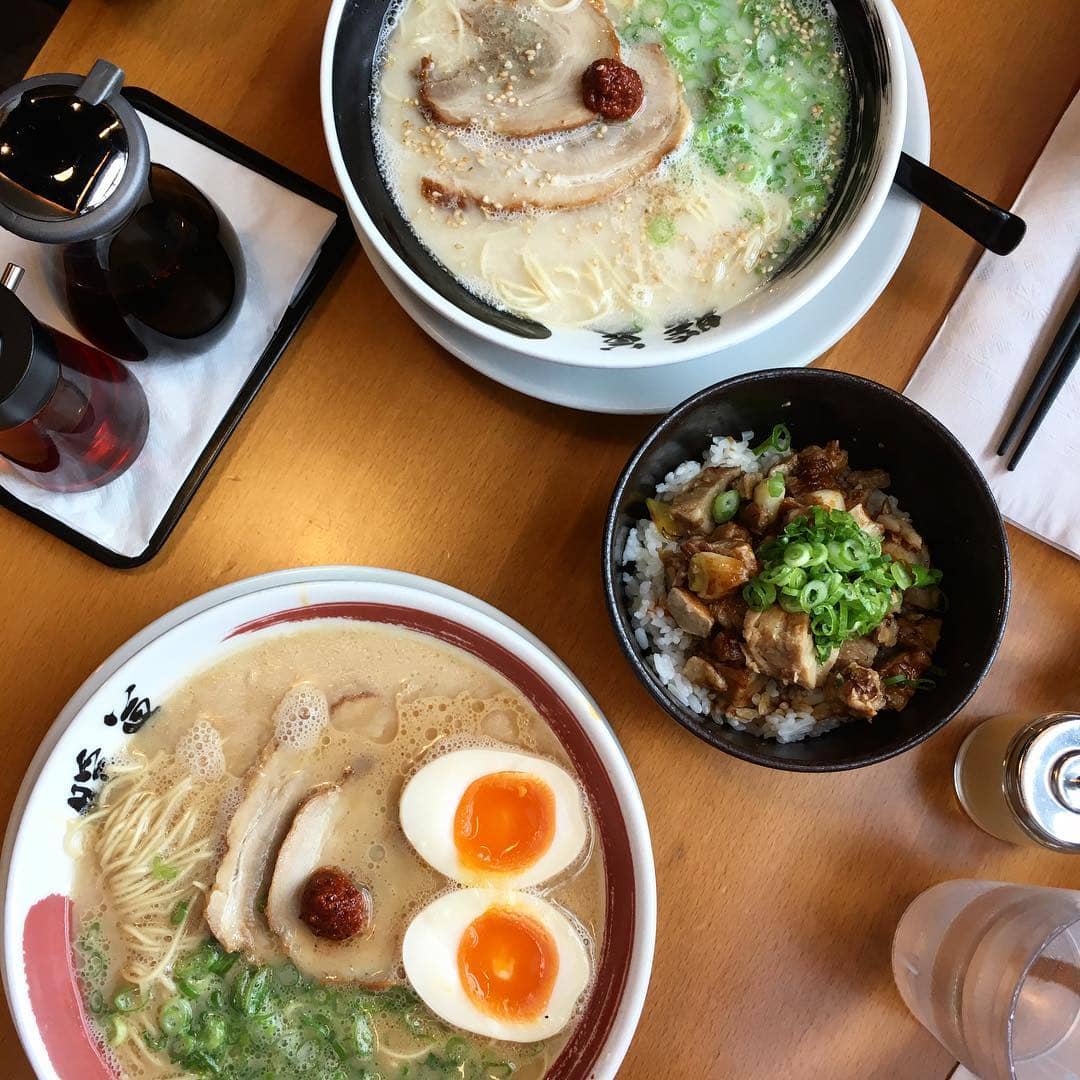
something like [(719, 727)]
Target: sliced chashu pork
[(274, 787), (580, 167), (779, 644), (548, 51), (335, 826)]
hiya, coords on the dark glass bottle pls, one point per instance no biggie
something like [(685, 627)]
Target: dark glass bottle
[(147, 263), (71, 417)]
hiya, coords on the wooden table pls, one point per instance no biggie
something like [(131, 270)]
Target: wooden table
[(778, 893)]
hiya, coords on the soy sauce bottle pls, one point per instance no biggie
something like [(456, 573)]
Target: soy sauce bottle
[(71, 417), (147, 263)]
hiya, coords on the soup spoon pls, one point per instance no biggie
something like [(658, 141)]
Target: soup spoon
[(996, 229)]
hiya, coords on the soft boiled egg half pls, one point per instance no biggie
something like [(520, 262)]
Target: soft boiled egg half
[(484, 816), (497, 962)]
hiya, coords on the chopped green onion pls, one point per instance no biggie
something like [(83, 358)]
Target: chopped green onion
[(907, 680), (925, 576), (250, 993), (660, 230), (154, 1040), (212, 1031), (457, 1050), (813, 595), (775, 485), (725, 506), (180, 1046), (287, 976), (162, 870), (222, 964), (179, 913), (190, 988), (115, 1029), (798, 554), (128, 1001), (175, 1016), (759, 594), (901, 574), (363, 1036), (779, 442)]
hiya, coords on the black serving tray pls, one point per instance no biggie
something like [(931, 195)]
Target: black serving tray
[(334, 249)]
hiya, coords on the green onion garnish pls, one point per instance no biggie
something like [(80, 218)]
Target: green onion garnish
[(162, 870), (779, 442), (725, 506), (128, 1000), (115, 1029), (775, 485), (924, 576), (825, 565), (660, 230), (175, 1016), (179, 913), (907, 680)]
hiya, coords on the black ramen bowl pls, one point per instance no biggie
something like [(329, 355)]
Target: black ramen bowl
[(355, 33), (936, 482)]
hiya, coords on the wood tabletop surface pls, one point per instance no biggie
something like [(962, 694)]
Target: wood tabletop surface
[(778, 892)]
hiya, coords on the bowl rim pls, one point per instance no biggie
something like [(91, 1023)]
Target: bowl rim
[(611, 571), (560, 347), (487, 622)]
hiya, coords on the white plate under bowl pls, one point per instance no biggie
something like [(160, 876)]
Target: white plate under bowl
[(795, 342), (37, 874)]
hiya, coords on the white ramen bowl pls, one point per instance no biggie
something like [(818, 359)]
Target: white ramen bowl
[(38, 875), (871, 30)]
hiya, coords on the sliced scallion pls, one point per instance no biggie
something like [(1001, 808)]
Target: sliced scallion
[(725, 506)]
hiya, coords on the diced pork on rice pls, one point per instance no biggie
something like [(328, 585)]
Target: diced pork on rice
[(796, 715)]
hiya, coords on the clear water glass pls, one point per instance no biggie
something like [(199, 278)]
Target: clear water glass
[(993, 972)]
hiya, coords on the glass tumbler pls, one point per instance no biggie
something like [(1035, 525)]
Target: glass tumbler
[(993, 972)]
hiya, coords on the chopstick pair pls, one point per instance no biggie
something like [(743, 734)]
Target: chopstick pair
[(1053, 373)]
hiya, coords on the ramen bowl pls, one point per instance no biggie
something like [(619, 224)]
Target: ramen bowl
[(935, 481), (873, 38), (110, 708)]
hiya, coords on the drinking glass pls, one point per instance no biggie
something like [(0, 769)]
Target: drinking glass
[(992, 970)]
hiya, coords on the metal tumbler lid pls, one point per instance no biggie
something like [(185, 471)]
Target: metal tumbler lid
[(1042, 780), (74, 157)]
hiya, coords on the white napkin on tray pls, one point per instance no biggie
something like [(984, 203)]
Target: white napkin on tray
[(978, 368), (281, 234)]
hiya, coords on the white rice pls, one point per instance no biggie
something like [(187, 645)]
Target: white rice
[(797, 715)]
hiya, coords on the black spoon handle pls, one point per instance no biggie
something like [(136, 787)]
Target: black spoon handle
[(994, 228)]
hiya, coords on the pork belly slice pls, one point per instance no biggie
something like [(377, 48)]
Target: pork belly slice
[(580, 167), (273, 788), (548, 50), (779, 644), (369, 958)]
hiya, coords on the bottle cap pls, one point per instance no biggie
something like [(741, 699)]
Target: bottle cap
[(74, 157), (1042, 780), (29, 368)]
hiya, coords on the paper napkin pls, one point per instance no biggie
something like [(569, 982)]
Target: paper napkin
[(978, 368)]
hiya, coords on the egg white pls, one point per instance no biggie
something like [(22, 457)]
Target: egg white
[(430, 950), (430, 801)]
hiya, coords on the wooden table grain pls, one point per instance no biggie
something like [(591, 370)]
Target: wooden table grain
[(369, 444)]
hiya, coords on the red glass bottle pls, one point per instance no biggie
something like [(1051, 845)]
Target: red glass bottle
[(71, 417)]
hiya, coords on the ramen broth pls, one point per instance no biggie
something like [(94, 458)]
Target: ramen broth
[(766, 82), (397, 698)]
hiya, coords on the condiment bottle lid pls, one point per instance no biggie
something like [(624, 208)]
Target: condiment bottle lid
[(74, 157), (29, 368), (1042, 781)]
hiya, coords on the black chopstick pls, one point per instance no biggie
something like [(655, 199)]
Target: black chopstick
[(1051, 376)]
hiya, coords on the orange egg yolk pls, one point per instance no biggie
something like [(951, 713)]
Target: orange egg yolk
[(504, 822), (508, 962)]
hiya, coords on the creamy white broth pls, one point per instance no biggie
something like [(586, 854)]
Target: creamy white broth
[(397, 698), (681, 242)]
